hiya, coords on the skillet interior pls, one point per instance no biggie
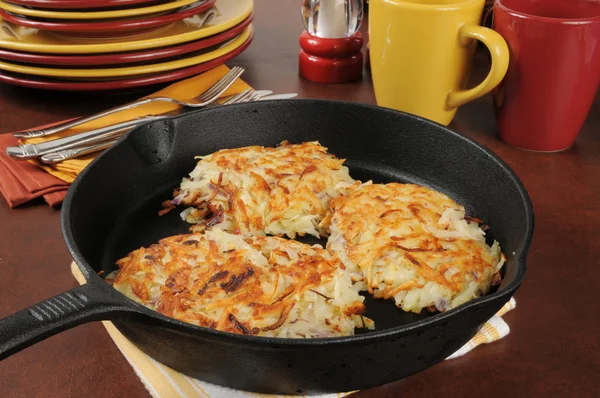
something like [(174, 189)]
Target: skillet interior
[(112, 207)]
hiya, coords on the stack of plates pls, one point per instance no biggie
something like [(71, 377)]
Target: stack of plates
[(116, 44)]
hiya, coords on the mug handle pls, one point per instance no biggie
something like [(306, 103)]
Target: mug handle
[(500, 57), (487, 21)]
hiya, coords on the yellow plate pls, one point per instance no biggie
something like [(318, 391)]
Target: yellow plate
[(131, 12), (132, 70), (229, 14)]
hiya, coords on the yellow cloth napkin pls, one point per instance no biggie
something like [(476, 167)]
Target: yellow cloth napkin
[(183, 90), (163, 382)]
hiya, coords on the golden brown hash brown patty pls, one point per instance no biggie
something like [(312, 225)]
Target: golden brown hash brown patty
[(413, 244), (262, 286), (255, 190)]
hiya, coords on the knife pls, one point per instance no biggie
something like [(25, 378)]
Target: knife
[(31, 151), (55, 157), (278, 97)]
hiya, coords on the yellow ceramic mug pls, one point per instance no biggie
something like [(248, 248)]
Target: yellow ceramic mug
[(421, 53)]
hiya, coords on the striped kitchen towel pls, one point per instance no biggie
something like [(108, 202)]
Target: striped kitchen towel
[(163, 382)]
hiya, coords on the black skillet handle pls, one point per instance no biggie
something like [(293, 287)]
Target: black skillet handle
[(85, 303)]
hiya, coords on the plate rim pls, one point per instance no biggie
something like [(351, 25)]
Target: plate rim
[(80, 4), (104, 26), (166, 77), (131, 70), (126, 57), (244, 9), (129, 12)]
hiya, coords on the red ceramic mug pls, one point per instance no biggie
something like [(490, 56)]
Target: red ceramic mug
[(554, 70)]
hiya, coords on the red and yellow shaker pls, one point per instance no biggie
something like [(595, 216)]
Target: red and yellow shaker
[(331, 44)]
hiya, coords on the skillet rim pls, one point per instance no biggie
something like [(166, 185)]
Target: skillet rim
[(520, 256)]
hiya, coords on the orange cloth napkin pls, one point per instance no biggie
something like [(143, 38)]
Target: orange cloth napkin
[(21, 181)]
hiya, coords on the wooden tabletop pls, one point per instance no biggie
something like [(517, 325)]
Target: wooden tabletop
[(553, 348)]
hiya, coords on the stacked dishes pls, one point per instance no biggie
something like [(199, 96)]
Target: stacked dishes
[(83, 45)]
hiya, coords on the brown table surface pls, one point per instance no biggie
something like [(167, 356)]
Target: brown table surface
[(554, 345)]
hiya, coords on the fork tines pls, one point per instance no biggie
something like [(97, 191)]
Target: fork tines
[(223, 84)]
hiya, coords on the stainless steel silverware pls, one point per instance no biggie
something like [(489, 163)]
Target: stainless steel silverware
[(56, 157), (278, 97), (30, 151), (204, 99), (114, 132)]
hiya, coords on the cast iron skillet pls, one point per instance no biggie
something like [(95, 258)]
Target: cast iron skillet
[(112, 207)]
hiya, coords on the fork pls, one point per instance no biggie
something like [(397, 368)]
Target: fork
[(204, 99), (245, 96), (105, 141)]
